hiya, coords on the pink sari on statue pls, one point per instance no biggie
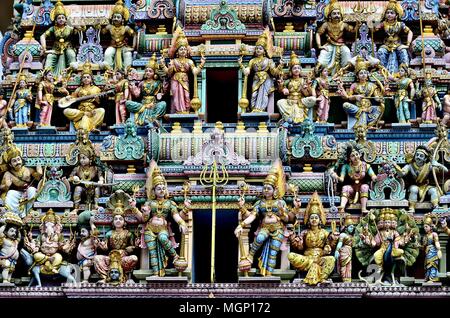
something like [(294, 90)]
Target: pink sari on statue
[(179, 87)]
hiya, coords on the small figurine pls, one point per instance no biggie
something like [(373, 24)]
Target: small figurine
[(3, 110), (87, 250), (430, 100), (294, 109), (357, 170), (272, 213), (432, 248), (151, 107), (321, 86), (62, 55), (420, 167), (404, 95), (157, 214), (343, 251), (315, 244), (264, 71), (122, 91), (334, 54), (446, 110), (16, 187), (392, 53), (22, 103), (118, 55), (178, 70), (9, 242)]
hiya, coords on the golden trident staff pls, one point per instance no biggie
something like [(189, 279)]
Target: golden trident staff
[(210, 177)]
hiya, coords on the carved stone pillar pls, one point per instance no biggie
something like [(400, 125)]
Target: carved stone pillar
[(443, 240)]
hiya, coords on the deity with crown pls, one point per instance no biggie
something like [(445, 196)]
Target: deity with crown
[(9, 242), (21, 103)]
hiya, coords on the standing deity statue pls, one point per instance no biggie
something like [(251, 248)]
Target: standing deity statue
[(118, 55), (315, 242), (321, 91), (122, 91), (157, 214), (404, 95), (62, 55), (357, 170), (419, 168), (87, 250), (45, 97), (16, 188), (272, 214), (21, 102), (393, 54), (151, 89), (88, 116), (334, 53), (178, 71), (343, 252), (294, 109), (264, 70), (9, 242), (432, 248), (3, 110), (430, 100), (117, 240), (362, 93)]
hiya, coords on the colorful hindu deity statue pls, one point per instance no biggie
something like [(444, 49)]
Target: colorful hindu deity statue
[(62, 55), (264, 70), (157, 214), (17, 190), (404, 95), (178, 71), (45, 97), (9, 242), (47, 246), (294, 109), (321, 88), (315, 242), (272, 213), (430, 100), (151, 89), (357, 170), (122, 91), (446, 109), (362, 93), (118, 55), (343, 251), (420, 167), (393, 235), (432, 248), (334, 53), (21, 102), (87, 178), (87, 249), (88, 116), (118, 240), (393, 54), (3, 110)]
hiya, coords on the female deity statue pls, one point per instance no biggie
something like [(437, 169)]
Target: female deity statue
[(9, 242), (118, 240), (357, 170), (420, 167), (87, 116), (21, 102), (264, 70), (45, 97), (84, 176), (178, 70), (405, 94), (295, 108), (151, 107), (118, 55), (430, 100), (362, 93), (315, 244), (122, 91), (272, 213), (432, 247), (62, 55), (334, 54), (321, 86), (156, 214), (392, 53), (343, 251)]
